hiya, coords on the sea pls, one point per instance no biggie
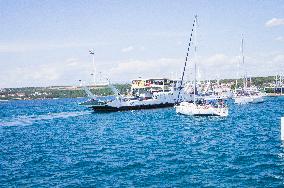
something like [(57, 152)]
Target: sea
[(58, 143)]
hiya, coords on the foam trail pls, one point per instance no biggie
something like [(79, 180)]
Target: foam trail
[(29, 120)]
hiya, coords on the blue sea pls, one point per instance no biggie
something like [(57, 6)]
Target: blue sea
[(47, 143)]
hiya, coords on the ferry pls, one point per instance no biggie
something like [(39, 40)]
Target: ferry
[(144, 94)]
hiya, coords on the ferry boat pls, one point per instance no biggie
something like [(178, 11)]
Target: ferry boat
[(145, 94)]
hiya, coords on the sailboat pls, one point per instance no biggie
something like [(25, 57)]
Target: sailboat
[(246, 94), (200, 106)]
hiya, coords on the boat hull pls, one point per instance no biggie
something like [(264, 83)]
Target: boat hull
[(194, 110), (249, 99), (107, 108)]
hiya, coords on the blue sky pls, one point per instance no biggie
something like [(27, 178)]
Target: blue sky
[(46, 43)]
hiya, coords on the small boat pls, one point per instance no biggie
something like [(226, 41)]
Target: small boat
[(203, 108), (247, 94)]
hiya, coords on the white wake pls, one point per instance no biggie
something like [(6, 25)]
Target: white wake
[(29, 120)]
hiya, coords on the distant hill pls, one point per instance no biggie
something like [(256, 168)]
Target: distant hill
[(27, 93)]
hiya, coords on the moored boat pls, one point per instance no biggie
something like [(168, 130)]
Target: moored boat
[(246, 94), (201, 106)]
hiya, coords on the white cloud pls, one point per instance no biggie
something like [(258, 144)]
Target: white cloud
[(127, 49), (58, 73), (19, 47), (274, 22), (68, 72), (167, 34), (280, 38), (211, 67), (218, 66), (131, 69), (279, 58), (216, 59), (72, 62), (142, 48)]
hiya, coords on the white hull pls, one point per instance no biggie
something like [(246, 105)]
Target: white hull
[(249, 99), (203, 110), (257, 99)]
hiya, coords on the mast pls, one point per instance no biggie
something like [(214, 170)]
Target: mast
[(236, 87), (243, 62), (195, 49), (186, 58)]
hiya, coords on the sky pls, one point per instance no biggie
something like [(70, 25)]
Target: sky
[(45, 43)]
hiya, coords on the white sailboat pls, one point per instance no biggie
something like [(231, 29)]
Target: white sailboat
[(202, 109), (247, 94), (200, 106)]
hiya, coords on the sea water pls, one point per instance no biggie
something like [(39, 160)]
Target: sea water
[(59, 143)]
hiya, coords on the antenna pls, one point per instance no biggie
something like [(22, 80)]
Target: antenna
[(92, 52)]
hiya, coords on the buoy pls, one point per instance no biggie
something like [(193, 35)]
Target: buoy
[(282, 128)]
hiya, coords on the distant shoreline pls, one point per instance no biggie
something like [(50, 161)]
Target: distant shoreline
[(31, 93), (26, 99), (265, 84)]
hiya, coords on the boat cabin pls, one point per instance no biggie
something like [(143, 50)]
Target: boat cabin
[(160, 84), (146, 87)]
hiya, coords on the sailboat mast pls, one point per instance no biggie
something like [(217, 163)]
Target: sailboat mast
[(243, 62), (186, 59), (238, 70), (195, 49)]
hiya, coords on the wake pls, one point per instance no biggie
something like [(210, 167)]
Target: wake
[(29, 120)]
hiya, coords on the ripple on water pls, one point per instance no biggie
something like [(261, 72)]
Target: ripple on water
[(64, 144)]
